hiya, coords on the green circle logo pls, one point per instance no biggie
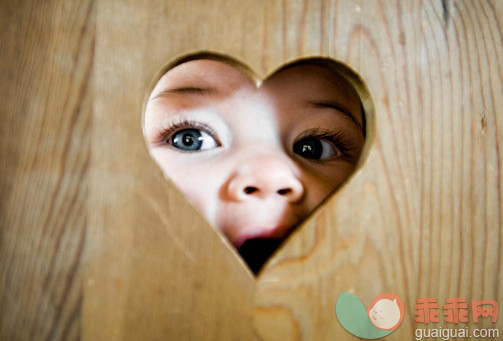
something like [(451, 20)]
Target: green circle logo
[(383, 315)]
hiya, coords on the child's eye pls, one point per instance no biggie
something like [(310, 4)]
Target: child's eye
[(315, 148), (192, 140)]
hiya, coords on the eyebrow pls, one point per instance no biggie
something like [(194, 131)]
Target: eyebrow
[(334, 105), (185, 90)]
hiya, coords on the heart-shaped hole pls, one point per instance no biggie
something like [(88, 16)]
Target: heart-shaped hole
[(256, 157)]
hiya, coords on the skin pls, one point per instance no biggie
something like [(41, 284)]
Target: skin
[(247, 180)]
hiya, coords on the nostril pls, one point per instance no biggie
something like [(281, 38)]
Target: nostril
[(284, 191), (250, 189)]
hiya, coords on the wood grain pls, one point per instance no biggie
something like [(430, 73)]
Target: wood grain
[(97, 244), (426, 217), (46, 63)]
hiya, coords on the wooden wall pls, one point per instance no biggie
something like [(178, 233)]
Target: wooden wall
[(46, 62), (96, 244)]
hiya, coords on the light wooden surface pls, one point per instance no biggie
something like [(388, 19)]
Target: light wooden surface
[(96, 244), (46, 59)]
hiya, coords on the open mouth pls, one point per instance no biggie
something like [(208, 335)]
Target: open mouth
[(257, 251)]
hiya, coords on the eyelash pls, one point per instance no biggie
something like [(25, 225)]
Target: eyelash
[(165, 135), (339, 139)]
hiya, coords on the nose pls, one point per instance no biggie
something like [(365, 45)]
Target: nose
[(264, 177)]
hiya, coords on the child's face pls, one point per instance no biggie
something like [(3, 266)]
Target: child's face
[(254, 161)]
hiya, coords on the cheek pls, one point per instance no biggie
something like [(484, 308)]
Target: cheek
[(338, 173), (323, 181)]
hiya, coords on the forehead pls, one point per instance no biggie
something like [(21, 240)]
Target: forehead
[(294, 84), (312, 79), (203, 73), (315, 84)]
